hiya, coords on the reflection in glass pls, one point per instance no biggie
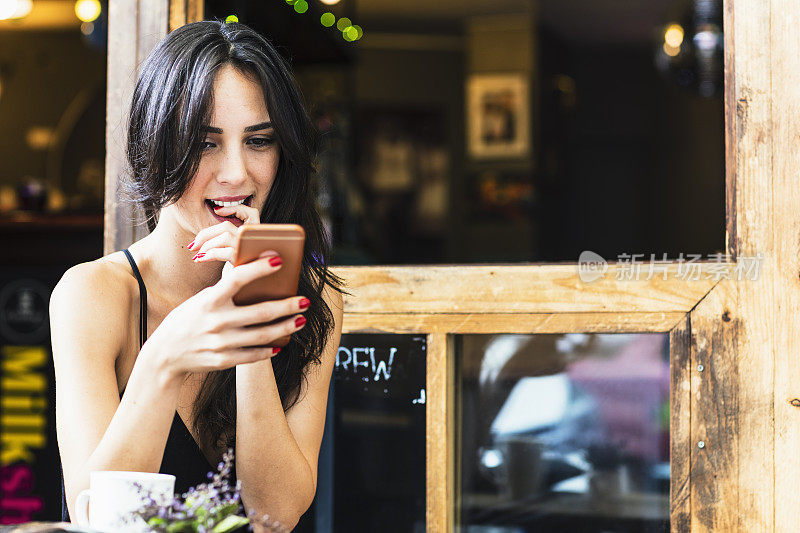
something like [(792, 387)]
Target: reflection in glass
[(564, 432)]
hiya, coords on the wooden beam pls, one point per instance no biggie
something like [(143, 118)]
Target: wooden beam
[(785, 226), (680, 340), (715, 410), (123, 47), (184, 11), (753, 227), (440, 434), (134, 28), (538, 288), (490, 323)]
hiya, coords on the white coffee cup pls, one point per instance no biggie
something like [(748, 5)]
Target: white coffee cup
[(112, 495)]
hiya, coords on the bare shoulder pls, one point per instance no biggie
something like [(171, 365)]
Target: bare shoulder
[(90, 305)]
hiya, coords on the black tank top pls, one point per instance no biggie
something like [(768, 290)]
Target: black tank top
[(183, 458)]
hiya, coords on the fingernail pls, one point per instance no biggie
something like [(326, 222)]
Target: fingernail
[(198, 255), (275, 261), (191, 244), (299, 321), (305, 302), (275, 350)]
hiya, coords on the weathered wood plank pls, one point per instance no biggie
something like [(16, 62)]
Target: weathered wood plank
[(510, 322), (537, 288), (754, 231), (440, 433), (184, 11), (731, 138), (195, 10), (680, 425), (177, 13), (714, 411), (123, 19), (785, 173)]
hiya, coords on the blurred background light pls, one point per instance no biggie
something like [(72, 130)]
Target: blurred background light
[(15, 9), (329, 2), (231, 18), (344, 23), (327, 19), (87, 10), (301, 6), (87, 28), (671, 51), (673, 36)]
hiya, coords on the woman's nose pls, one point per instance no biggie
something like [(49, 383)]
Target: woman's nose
[(234, 170)]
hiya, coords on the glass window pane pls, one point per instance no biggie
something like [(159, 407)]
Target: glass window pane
[(372, 460), (498, 130), (564, 432)]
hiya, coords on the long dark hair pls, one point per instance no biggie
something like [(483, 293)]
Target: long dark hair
[(171, 104)]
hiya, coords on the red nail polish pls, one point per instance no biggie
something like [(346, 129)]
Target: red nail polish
[(305, 302), (275, 350), (198, 255), (299, 321), (191, 243), (275, 261)]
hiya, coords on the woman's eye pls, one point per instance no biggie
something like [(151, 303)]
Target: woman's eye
[(206, 144), (262, 141)]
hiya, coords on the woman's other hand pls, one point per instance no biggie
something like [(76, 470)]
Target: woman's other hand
[(209, 332)]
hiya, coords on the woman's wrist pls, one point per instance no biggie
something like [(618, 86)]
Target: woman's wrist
[(155, 365)]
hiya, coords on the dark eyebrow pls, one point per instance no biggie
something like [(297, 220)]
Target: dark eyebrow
[(254, 127)]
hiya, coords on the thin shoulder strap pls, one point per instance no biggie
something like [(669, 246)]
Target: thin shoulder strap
[(142, 299)]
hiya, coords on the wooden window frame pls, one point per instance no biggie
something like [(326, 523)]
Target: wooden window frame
[(743, 406)]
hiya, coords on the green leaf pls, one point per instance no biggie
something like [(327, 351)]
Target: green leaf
[(156, 522), (182, 526), (229, 523)]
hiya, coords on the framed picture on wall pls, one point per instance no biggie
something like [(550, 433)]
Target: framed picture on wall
[(498, 116)]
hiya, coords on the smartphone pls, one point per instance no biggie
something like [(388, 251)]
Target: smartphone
[(288, 240)]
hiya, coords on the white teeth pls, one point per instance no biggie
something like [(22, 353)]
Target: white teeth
[(227, 204)]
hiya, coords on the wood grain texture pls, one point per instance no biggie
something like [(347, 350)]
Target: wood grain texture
[(731, 139), (184, 11), (134, 28), (680, 425), (714, 409), (754, 231), (195, 10), (123, 16), (440, 434), (785, 173), (537, 288), (489, 323), (177, 13)]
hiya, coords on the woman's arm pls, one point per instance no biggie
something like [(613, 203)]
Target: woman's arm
[(89, 321), (276, 454)]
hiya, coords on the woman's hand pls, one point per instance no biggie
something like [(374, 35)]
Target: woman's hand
[(209, 332), (216, 243)]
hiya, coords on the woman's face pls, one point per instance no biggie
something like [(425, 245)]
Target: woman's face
[(240, 154)]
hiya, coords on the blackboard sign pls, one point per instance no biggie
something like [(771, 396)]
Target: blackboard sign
[(372, 461), (30, 470)]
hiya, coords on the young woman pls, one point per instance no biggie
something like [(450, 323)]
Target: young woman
[(156, 369)]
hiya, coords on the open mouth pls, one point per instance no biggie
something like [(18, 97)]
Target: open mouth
[(233, 218)]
